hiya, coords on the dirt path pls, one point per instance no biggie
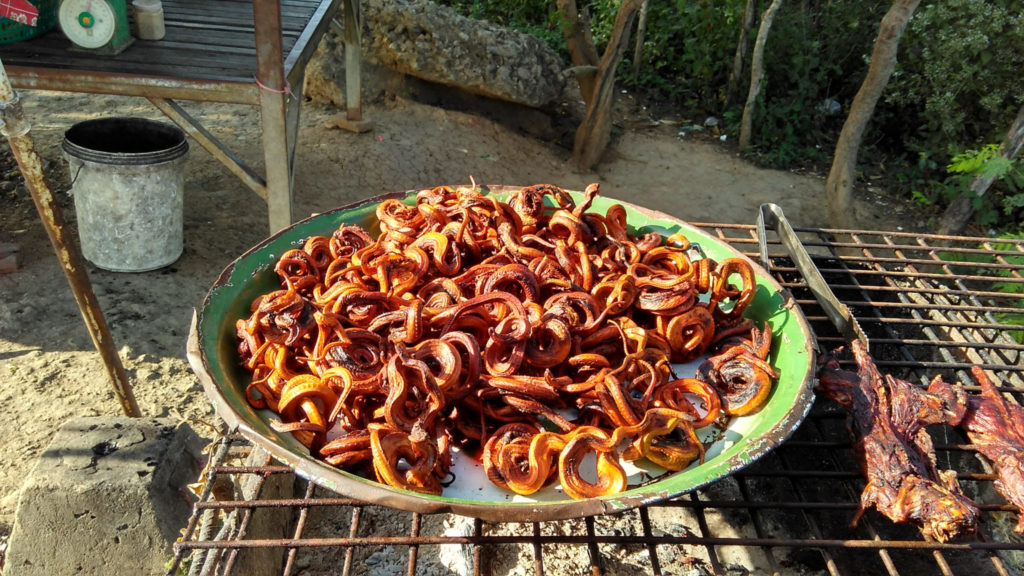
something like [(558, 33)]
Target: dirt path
[(48, 367)]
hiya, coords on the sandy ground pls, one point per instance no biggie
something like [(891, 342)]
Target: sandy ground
[(48, 367)]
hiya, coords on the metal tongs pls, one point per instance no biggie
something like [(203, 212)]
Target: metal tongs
[(840, 315)]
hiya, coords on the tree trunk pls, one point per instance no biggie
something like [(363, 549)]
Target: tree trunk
[(732, 91), (843, 174), (641, 32), (959, 212), (756, 73), (594, 132), (582, 53)]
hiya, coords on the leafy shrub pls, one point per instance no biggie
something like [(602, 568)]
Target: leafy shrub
[(687, 51), (1002, 201), (957, 84), (1011, 286), (815, 59), (537, 17), (958, 79), (988, 162)]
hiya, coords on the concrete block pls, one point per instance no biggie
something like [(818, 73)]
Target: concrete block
[(108, 496)]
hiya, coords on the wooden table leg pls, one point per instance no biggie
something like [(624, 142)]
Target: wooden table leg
[(292, 114), (195, 129), (16, 129), (274, 95), (353, 61), (352, 32)]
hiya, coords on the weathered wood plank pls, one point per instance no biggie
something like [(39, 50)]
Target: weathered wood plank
[(205, 42)]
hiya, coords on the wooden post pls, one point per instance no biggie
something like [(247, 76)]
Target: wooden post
[(16, 129), (353, 61), (274, 94), (352, 32)]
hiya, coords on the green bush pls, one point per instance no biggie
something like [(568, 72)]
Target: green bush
[(687, 52), (814, 60), (958, 79), (537, 17), (1007, 192), (956, 87)]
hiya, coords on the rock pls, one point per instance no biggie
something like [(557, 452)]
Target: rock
[(433, 43), (325, 74), (107, 492), (457, 558)]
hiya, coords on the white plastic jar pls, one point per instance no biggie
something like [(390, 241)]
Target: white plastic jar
[(149, 18)]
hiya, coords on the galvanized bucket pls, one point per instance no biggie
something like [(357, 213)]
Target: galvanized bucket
[(128, 184)]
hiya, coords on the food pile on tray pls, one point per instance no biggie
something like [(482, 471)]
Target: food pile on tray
[(530, 333)]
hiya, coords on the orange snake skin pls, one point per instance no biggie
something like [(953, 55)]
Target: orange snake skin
[(529, 333)]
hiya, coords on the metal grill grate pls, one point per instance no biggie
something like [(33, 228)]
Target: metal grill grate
[(930, 305)]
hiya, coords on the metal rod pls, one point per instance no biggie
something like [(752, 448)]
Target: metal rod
[(212, 560), (705, 532), (414, 532), (853, 494), (830, 561), (946, 320), (16, 129), (478, 551), (592, 550), (850, 544), (756, 520), (205, 520), (353, 532), (212, 144), (538, 552), (652, 549), (300, 525), (243, 524), (696, 505)]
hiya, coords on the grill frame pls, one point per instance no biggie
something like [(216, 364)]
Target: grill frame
[(931, 305)]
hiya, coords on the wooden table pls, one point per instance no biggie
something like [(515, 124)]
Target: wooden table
[(231, 51)]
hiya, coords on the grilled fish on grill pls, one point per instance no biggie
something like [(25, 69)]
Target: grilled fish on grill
[(887, 419), (996, 428)]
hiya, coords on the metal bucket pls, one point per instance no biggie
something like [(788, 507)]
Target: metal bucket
[(128, 182)]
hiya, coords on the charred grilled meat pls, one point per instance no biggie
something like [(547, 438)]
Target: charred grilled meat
[(996, 428), (887, 419)]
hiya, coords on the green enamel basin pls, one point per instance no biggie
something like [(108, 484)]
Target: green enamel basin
[(213, 356)]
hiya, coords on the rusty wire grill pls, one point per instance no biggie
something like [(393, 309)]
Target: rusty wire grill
[(930, 304)]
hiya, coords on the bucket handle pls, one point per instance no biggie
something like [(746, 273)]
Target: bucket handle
[(75, 179)]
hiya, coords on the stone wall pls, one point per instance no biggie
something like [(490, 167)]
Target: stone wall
[(430, 42)]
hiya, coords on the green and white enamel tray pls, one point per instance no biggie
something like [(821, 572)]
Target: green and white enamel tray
[(212, 352)]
